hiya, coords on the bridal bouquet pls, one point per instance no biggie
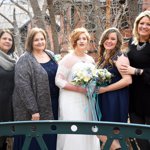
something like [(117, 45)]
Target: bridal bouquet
[(83, 73), (88, 76), (86, 72)]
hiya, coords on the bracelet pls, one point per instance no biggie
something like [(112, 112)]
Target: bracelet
[(137, 72)]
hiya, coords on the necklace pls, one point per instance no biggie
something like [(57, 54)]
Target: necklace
[(140, 47)]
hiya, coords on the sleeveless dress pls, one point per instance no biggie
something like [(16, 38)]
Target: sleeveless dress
[(114, 104), (73, 106)]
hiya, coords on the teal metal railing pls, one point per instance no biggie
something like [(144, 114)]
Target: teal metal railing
[(120, 131)]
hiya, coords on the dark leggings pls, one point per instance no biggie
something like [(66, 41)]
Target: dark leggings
[(134, 118), (3, 143)]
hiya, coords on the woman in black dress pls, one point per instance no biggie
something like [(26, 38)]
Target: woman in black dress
[(139, 56), (7, 63)]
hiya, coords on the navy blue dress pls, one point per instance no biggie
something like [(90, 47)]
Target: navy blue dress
[(50, 139), (51, 69), (114, 104)]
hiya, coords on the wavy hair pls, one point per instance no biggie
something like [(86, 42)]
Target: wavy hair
[(74, 36), (136, 36), (103, 38)]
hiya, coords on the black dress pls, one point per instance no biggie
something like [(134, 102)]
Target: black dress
[(140, 87), (6, 91)]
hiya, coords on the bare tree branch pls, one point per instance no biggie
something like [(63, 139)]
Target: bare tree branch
[(1, 3), (22, 8), (7, 19)]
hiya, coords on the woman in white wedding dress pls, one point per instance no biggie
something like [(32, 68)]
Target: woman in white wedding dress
[(73, 102)]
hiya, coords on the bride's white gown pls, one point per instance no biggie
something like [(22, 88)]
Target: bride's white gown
[(73, 106)]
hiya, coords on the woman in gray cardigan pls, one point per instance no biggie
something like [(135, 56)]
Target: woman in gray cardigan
[(36, 95)]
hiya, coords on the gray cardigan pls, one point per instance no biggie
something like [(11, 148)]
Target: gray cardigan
[(32, 92)]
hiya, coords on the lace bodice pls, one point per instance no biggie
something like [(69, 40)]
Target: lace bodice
[(64, 72)]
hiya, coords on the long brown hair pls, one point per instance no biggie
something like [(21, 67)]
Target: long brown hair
[(103, 38)]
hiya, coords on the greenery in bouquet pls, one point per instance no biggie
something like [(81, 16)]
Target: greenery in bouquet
[(102, 76), (87, 72), (57, 57), (83, 74)]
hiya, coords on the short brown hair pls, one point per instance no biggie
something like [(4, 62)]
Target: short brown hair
[(75, 35), (30, 37)]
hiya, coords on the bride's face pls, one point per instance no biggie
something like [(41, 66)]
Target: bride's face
[(82, 42)]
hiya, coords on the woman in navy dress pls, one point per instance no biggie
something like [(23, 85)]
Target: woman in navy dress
[(113, 98), (36, 95)]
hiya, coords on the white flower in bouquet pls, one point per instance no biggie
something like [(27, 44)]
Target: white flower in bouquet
[(102, 76), (85, 72)]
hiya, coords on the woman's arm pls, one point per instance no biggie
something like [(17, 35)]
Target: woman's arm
[(62, 81), (123, 82), (23, 85)]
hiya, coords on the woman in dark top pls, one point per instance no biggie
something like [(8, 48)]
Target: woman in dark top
[(35, 94), (7, 64), (113, 98), (139, 56)]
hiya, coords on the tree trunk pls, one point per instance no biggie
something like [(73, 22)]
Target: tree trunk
[(53, 26), (17, 36), (108, 13), (39, 17), (133, 10), (97, 22)]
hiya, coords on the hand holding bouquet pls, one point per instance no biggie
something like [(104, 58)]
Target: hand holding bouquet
[(87, 75), (87, 72)]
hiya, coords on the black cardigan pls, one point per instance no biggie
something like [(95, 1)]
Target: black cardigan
[(6, 90)]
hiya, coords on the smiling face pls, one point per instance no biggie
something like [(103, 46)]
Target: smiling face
[(82, 42), (39, 42), (110, 42), (143, 27), (6, 42)]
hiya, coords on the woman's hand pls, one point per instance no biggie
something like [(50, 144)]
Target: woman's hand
[(127, 69), (101, 90), (36, 116), (81, 90)]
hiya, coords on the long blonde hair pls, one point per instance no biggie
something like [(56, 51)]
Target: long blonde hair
[(135, 27)]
